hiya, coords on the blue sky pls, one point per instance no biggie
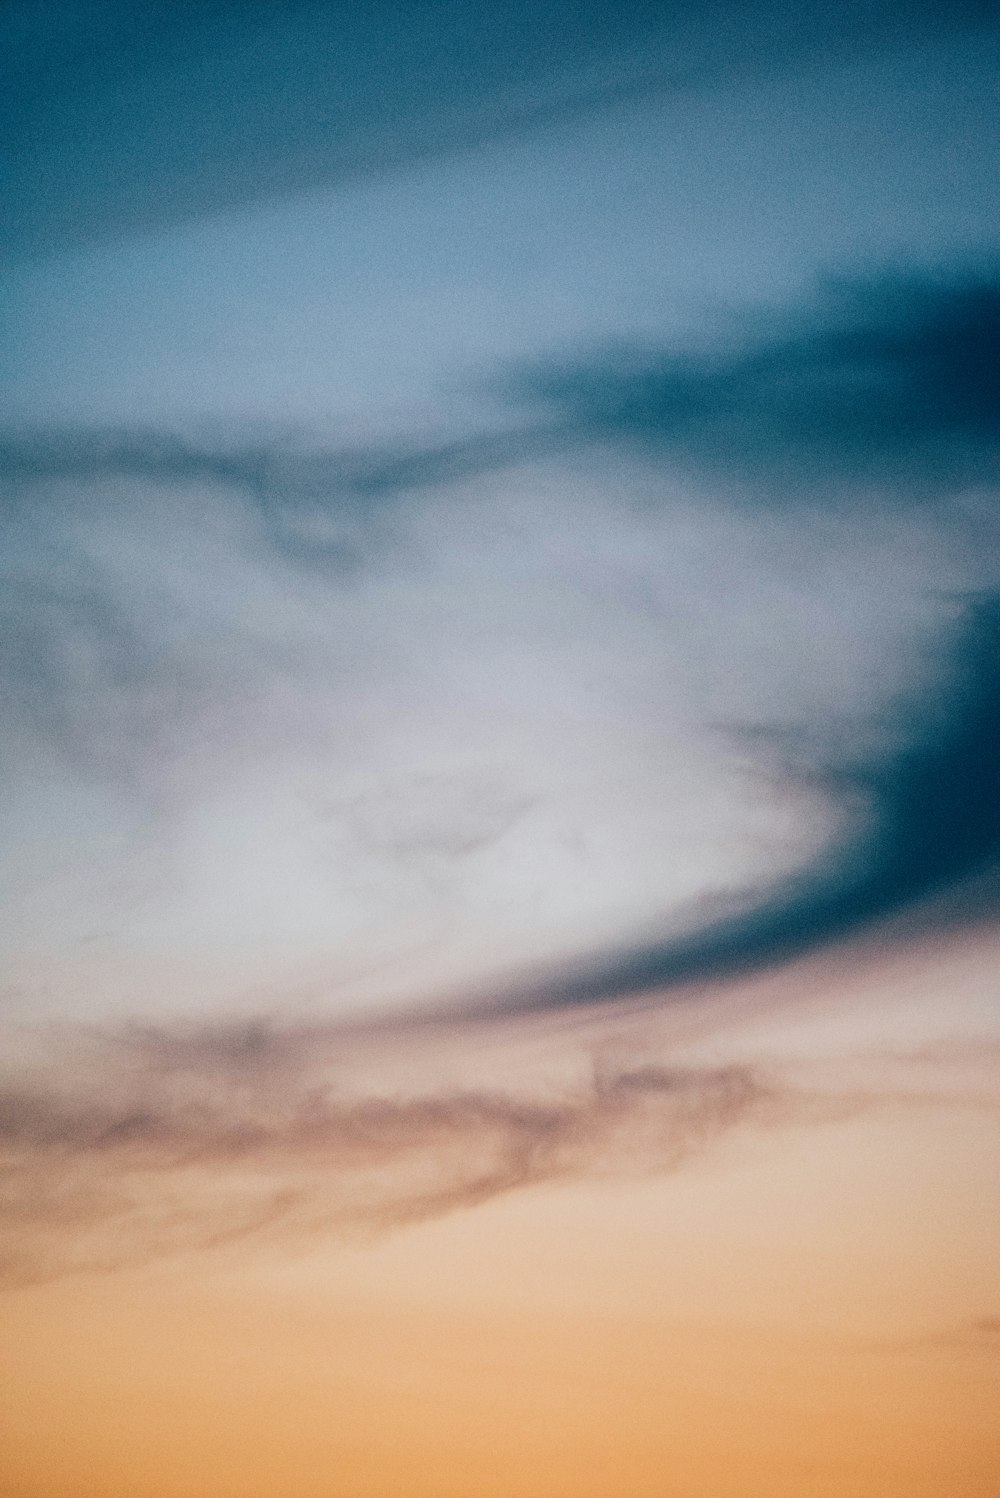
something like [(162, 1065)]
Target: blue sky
[(387, 299)]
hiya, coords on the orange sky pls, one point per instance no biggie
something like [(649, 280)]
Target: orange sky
[(803, 1307)]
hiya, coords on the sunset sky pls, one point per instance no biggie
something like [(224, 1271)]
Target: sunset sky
[(500, 664)]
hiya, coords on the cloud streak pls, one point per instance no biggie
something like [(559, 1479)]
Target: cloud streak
[(278, 100), (887, 380), (123, 1146), (178, 1141), (977, 1337)]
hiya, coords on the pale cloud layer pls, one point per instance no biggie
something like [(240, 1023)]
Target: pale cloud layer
[(536, 714)]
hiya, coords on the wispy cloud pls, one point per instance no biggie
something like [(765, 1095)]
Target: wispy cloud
[(886, 381), (123, 1145), (154, 1141), (889, 381), (979, 1336)]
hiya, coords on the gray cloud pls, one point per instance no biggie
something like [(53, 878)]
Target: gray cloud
[(316, 505), (888, 380), (891, 381)]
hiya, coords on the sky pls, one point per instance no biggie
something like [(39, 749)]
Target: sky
[(500, 658)]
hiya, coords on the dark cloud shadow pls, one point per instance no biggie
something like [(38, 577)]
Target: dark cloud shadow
[(888, 382), (892, 381), (927, 820)]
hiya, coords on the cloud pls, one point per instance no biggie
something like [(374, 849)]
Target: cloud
[(121, 1145), (889, 381), (117, 122), (319, 506), (882, 386), (156, 1141), (870, 402), (979, 1335), (927, 819)]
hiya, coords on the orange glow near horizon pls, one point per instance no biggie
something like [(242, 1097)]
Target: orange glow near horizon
[(806, 1310)]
